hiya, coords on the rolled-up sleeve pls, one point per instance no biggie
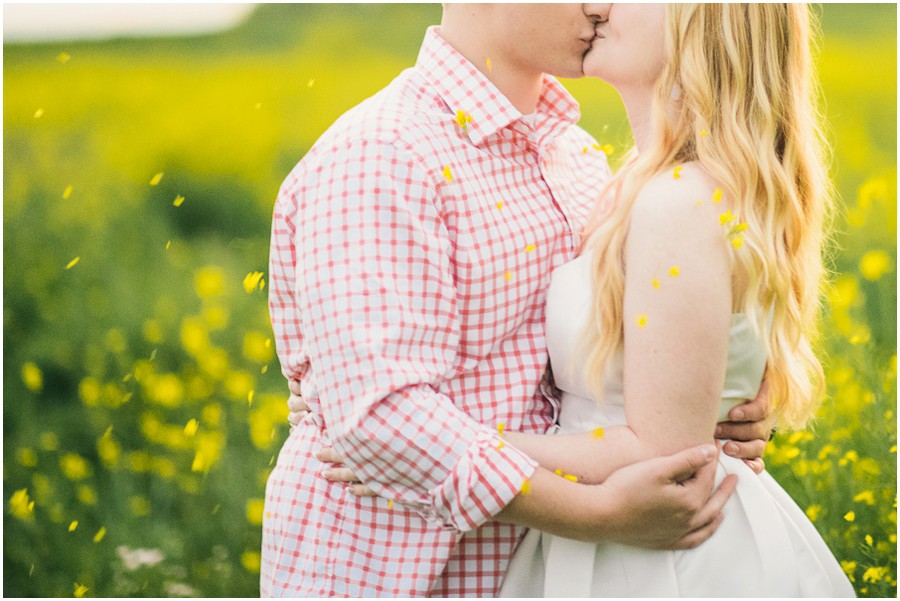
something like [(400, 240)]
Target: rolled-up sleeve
[(378, 309)]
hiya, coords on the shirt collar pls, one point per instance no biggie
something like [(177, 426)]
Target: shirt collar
[(464, 88)]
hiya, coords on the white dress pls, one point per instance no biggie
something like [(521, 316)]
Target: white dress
[(766, 546)]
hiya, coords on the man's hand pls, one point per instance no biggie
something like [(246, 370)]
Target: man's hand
[(748, 429), (668, 502), (296, 405)]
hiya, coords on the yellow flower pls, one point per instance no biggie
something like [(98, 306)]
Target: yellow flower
[(874, 264), (252, 281), (849, 568), (209, 281), (737, 241), (874, 574), (28, 458), (74, 466), (676, 173), (813, 512), (73, 263), (674, 271), (255, 511), (250, 560), (850, 516), (717, 196), (156, 178), (73, 525), (67, 192), (257, 347), (191, 427), (100, 534), (869, 540), (866, 497), (80, 590), (447, 174), (63, 57), (139, 506), (641, 320), (87, 495), (33, 377), (178, 200), (21, 505)]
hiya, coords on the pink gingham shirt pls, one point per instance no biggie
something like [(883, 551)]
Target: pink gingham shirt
[(411, 250)]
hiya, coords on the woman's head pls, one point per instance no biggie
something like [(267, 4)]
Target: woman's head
[(736, 92)]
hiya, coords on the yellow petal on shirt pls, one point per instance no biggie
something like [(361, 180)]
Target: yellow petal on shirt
[(67, 192), (584, 150), (191, 427), (674, 271), (448, 175), (156, 178), (508, 276), (500, 205), (608, 149), (530, 248), (641, 320), (178, 201), (500, 428), (73, 263), (390, 503)]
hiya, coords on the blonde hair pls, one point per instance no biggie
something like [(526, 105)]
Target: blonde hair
[(746, 109)]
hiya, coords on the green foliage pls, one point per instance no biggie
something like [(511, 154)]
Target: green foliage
[(142, 395)]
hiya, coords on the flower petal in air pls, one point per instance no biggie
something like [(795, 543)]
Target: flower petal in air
[(73, 263), (67, 192), (178, 200), (156, 178)]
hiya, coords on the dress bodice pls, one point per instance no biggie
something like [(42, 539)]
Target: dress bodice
[(568, 308)]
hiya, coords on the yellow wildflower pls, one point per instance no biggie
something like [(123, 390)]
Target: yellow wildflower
[(74, 466), (250, 560), (156, 178), (737, 241), (850, 516), (33, 377), (874, 264), (28, 457), (73, 525), (63, 57), (80, 590), (641, 320), (849, 568), (191, 427), (447, 174), (874, 574), (21, 505), (813, 512), (73, 263), (178, 200), (67, 192), (725, 218), (255, 511), (869, 540), (251, 281), (866, 497)]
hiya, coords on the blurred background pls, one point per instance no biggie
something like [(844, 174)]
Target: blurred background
[(143, 402)]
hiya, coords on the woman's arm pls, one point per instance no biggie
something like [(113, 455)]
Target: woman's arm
[(674, 363)]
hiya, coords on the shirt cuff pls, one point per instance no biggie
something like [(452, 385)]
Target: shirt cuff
[(484, 481)]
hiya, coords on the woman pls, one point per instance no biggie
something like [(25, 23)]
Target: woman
[(705, 271)]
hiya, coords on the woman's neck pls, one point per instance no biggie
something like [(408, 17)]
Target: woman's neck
[(639, 105)]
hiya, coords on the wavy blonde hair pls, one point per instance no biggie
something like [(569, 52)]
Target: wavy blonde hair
[(746, 109)]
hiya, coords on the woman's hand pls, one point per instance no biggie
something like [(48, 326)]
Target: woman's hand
[(749, 429), (338, 473)]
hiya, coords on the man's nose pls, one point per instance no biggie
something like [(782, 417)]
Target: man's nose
[(596, 11)]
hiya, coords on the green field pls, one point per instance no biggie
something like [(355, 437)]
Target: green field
[(143, 404)]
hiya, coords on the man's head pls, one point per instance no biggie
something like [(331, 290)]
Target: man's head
[(528, 38)]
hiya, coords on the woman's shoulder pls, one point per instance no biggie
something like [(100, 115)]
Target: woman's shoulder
[(682, 194)]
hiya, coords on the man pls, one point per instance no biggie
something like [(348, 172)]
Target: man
[(411, 251)]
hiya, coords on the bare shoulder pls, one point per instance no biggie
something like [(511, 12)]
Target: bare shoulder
[(682, 199)]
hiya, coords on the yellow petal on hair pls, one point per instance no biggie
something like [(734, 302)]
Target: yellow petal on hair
[(717, 195), (737, 241), (178, 200), (63, 57), (73, 263), (676, 173), (674, 271), (73, 525), (725, 218), (67, 192), (526, 487), (500, 205), (597, 433), (641, 320), (656, 283), (869, 540), (487, 63), (508, 276), (38, 113), (447, 174), (100, 534), (80, 590), (741, 227), (530, 248), (156, 178), (704, 133)]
